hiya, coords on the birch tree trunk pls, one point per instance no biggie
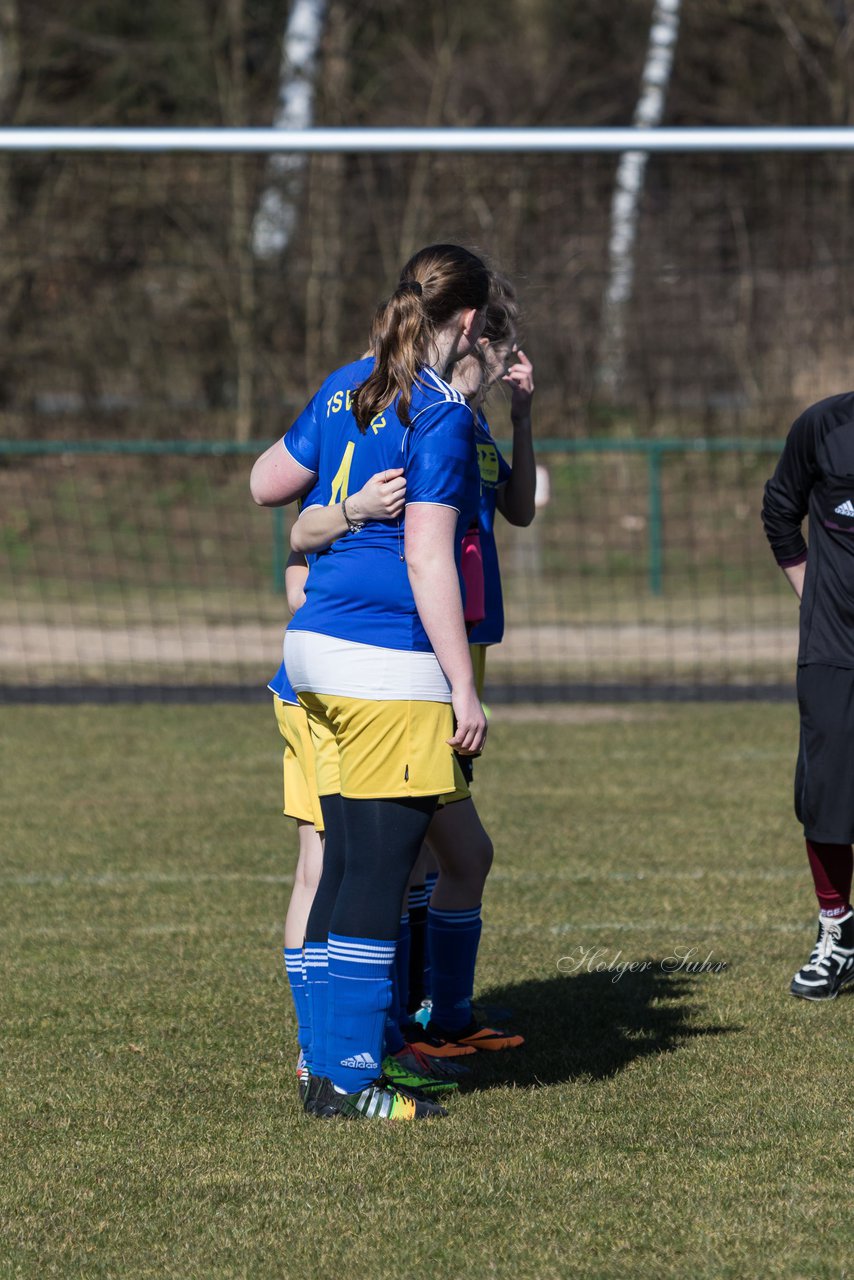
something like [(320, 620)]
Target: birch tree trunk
[(628, 191), (276, 215)]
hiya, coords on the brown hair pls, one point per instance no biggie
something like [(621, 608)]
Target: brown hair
[(501, 322), (435, 284), (502, 312)]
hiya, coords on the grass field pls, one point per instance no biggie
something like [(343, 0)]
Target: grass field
[(661, 1123)]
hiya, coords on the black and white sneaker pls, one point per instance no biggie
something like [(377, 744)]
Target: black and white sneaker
[(831, 965), (381, 1100)]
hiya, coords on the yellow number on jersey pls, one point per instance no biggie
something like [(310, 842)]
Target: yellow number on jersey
[(487, 461), (342, 476)]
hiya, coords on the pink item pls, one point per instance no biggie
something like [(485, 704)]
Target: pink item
[(472, 567)]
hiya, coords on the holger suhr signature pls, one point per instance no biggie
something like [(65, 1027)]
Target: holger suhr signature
[(600, 960)]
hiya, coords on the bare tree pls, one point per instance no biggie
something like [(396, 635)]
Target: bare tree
[(843, 80), (628, 190), (796, 39), (10, 56), (839, 12), (240, 290), (447, 39), (10, 80), (276, 216), (327, 207)]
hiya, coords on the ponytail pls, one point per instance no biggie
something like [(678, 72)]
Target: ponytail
[(434, 285)]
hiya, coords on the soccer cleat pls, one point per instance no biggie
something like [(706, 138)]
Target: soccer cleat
[(312, 1089), (423, 1065), (831, 965), (378, 1101), (432, 1046), (488, 1039), (402, 1070), (303, 1076)]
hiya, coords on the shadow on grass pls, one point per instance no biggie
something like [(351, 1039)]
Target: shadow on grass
[(589, 1025)]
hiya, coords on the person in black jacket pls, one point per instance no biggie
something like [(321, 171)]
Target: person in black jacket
[(814, 477)]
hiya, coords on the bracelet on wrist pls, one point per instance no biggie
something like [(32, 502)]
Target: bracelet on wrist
[(353, 526)]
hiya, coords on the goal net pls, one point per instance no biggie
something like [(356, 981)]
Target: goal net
[(152, 345)]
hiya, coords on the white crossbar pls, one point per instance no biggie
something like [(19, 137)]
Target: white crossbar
[(449, 140)]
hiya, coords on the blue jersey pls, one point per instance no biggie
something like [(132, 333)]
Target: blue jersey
[(494, 472), (281, 686), (358, 589)]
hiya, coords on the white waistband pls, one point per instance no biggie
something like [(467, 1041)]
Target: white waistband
[(323, 664)]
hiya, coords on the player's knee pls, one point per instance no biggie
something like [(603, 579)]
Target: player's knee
[(482, 855), (469, 865)]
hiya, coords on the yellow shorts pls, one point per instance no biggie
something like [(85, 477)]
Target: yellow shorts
[(478, 662), (384, 750), (301, 795)]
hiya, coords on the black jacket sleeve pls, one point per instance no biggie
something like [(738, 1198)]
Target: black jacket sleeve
[(787, 493)]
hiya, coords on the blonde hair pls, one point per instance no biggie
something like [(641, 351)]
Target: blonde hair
[(436, 283)]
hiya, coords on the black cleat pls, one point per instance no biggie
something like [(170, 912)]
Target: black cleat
[(378, 1101)]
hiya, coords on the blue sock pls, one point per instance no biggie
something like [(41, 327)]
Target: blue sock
[(429, 885), (317, 987), (454, 938), (397, 1015), (299, 991), (359, 1000)]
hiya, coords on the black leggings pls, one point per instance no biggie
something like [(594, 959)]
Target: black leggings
[(370, 850)]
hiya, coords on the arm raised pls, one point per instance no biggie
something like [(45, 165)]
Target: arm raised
[(515, 499)]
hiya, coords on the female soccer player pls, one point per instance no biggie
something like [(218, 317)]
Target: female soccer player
[(379, 652), (381, 498), (430, 1068), (301, 803), (815, 477), (456, 838)]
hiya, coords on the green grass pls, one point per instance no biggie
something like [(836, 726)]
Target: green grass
[(659, 1125)]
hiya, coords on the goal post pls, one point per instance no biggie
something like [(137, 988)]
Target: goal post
[(147, 352), (481, 140)]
